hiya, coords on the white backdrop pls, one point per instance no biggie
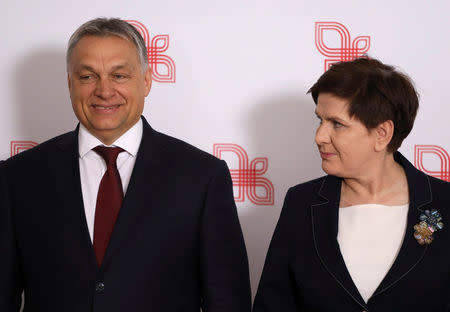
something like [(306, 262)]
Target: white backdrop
[(241, 71)]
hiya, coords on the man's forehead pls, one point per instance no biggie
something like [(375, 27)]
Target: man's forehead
[(111, 46), (112, 67), (93, 39)]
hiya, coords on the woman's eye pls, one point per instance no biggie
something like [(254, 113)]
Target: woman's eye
[(337, 124)]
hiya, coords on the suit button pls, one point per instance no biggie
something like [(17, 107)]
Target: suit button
[(99, 288)]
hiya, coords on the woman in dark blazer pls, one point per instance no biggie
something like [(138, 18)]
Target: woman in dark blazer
[(370, 235)]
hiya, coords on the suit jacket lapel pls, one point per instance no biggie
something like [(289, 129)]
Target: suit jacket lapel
[(66, 174), (142, 189), (325, 213), (411, 252)]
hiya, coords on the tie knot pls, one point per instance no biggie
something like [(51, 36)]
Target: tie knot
[(109, 154)]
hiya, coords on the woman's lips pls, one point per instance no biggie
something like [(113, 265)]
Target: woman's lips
[(324, 155)]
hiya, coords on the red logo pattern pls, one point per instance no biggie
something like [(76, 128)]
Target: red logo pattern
[(348, 50), (444, 160), (162, 65), (20, 146), (247, 178)]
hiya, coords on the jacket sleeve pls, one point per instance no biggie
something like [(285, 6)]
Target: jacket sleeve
[(276, 288), (223, 257), (10, 272)]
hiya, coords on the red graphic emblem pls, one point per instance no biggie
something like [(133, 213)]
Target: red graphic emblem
[(348, 49), (162, 65), (20, 146), (247, 178), (443, 172)]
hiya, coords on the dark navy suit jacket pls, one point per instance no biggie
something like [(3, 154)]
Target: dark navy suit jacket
[(305, 271), (177, 244)]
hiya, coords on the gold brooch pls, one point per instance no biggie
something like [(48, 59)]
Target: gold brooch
[(430, 222)]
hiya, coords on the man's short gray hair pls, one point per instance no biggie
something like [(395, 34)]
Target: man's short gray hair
[(103, 27)]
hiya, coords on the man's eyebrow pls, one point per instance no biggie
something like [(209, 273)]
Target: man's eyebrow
[(115, 67), (121, 66)]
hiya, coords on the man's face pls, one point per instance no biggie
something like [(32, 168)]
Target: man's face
[(107, 85)]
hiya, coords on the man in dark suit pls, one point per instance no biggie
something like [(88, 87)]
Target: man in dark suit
[(115, 216)]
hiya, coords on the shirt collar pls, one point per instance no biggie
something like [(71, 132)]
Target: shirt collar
[(129, 141)]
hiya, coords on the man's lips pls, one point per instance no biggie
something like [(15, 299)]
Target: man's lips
[(105, 109), (97, 106)]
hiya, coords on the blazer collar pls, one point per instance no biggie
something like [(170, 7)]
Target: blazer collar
[(325, 214), (147, 168), (411, 252), (418, 184), (66, 171), (142, 192), (324, 218)]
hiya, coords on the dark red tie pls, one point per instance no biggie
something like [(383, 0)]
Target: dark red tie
[(109, 201)]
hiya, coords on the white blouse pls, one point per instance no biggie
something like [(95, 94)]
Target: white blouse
[(370, 237)]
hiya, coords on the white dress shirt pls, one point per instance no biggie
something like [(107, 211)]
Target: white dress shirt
[(370, 237), (93, 166)]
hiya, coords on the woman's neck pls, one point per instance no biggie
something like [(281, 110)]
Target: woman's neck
[(384, 183)]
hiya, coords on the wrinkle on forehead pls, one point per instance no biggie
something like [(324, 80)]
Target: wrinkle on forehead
[(332, 107), (104, 53)]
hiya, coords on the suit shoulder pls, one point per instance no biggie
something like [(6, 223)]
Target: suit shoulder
[(40, 151), (179, 148)]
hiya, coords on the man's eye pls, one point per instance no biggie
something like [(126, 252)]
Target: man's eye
[(85, 77), (119, 76)]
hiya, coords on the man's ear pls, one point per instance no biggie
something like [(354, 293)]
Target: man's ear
[(383, 135), (69, 82), (148, 80)]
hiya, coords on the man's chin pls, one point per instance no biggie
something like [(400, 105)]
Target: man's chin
[(106, 132), (106, 124)]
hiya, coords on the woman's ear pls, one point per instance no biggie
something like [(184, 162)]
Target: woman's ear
[(383, 135)]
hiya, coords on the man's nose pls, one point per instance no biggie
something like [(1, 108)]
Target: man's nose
[(104, 88)]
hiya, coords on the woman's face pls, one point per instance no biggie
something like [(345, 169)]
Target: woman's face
[(346, 146)]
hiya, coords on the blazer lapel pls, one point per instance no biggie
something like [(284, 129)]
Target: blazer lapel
[(411, 252), (143, 188), (66, 174), (325, 213)]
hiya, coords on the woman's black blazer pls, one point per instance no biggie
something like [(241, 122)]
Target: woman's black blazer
[(305, 271)]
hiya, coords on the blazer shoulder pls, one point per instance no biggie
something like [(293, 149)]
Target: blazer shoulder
[(307, 188), (300, 197), (176, 148), (438, 183), (41, 151), (440, 190)]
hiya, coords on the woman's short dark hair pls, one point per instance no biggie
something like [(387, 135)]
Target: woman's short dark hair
[(376, 93)]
